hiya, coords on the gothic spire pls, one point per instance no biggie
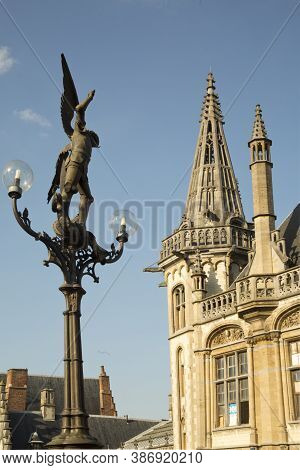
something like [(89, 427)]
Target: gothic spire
[(259, 130), (213, 196)]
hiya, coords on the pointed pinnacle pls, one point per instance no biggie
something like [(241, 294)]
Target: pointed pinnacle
[(259, 130), (210, 81), (211, 103)]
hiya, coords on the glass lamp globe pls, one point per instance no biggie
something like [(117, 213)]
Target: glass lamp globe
[(123, 220), (17, 173)]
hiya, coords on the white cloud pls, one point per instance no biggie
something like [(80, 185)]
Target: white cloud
[(30, 116), (6, 60)]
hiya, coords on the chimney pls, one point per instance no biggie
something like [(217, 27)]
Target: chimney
[(107, 404), (16, 387), (48, 404)]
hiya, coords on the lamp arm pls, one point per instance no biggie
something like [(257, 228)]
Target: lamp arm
[(25, 223)]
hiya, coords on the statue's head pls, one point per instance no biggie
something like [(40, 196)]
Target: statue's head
[(94, 138)]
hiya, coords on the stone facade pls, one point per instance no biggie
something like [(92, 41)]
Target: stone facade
[(233, 303)]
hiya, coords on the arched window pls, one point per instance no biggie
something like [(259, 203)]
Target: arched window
[(181, 388), (253, 153), (178, 308), (260, 152)]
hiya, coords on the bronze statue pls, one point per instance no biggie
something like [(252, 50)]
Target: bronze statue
[(72, 163)]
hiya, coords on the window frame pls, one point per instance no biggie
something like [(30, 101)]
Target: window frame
[(178, 308), (291, 370), (226, 379)]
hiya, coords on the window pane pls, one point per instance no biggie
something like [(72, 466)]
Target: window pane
[(220, 394), (296, 380), (220, 368), (231, 392), (243, 369), (295, 353), (220, 405), (296, 392), (297, 406), (244, 411), (231, 366), (232, 414), (244, 390), (221, 420), (295, 347)]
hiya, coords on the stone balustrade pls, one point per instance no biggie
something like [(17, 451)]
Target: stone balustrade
[(206, 237), (250, 289), (269, 286), (218, 306)]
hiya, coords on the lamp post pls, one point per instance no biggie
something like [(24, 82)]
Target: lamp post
[(74, 249), (75, 262)]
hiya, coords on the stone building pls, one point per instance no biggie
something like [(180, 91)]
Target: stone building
[(31, 407), (233, 302)]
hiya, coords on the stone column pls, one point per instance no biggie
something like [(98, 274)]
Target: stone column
[(75, 432), (280, 412), (200, 402), (208, 398), (251, 387)]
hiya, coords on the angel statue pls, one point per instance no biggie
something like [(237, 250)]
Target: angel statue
[(72, 163)]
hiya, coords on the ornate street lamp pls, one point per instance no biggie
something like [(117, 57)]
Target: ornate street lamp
[(74, 250)]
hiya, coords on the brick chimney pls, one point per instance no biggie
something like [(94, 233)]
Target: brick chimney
[(107, 404), (16, 387)]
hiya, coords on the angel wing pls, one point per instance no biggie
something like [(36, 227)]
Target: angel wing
[(69, 99), (56, 180)]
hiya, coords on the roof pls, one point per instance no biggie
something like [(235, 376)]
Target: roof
[(113, 431), (36, 383), (290, 230), (24, 424), (110, 432), (158, 436)]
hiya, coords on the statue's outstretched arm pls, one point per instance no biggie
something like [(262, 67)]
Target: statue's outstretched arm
[(81, 108)]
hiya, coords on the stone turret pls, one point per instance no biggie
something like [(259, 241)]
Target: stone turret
[(267, 257), (48, 404)]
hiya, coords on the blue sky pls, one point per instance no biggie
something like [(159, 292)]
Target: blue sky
[(148, 61)]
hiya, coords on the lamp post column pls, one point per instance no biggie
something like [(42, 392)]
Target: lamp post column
[(74, 429)]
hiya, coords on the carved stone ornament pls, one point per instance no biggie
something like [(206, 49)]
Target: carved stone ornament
[(291, 320), (73, 302), (229, 335)]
